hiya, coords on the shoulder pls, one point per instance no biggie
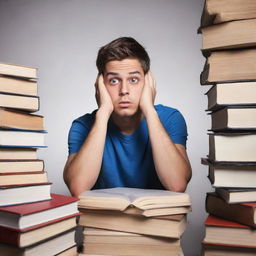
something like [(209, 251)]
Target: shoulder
[(165, 113), (85, 120)]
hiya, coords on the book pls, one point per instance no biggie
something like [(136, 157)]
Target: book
[(18, 166), (21, 138), (237, 147), (216, 11), (229, 35), (13, 195), (229, 66), (237, 195), (19, 101), (52, 246), (211, 249), (34, 234), (10, 179), (31, 214), (226, 232), (20, 120), (231, 174), (234, 118), (121, 198), (236, 94), (18, 70), (12, 153), (244, 213), (18, 85), (72, 251), (171, 227), (101, 241), (158, 211)]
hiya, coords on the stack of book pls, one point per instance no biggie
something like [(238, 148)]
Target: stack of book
[(130, 221), (32, 220), (229, 45)]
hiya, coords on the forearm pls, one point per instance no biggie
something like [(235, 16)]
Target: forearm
[(82, 171), (172, 167)]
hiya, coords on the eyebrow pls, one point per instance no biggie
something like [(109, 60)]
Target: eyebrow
[(115, 73)]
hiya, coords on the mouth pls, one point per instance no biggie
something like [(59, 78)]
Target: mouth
[(124, 104)]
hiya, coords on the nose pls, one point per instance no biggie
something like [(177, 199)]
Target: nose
[(124, 88)]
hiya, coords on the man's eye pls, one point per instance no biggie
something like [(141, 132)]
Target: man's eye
[(114, 81), (134, 80)]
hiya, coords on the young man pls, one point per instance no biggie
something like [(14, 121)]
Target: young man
[(127, 141)]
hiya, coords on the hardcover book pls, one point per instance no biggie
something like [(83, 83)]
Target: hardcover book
[(243, 213), (226, 232), (216, 11), (26, 215)]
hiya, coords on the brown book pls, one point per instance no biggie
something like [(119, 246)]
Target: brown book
[(212, 249), (19, 101), (158, 211), (229, 66), (18, 71), (236, 94), (18, 86), (231, 174), (216, 11), (11, 153), (171, 227), (72, 251), (19, 166), (224, 232), (20, 120), (229, 35), (8, 179), (234, 118), (237, 147), (51, 246), (101, 241), (121, 198), (244, 213), (237, 195)]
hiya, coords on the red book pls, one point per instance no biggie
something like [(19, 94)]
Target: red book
[(227, 250), (244, 213), (37, 233), (20, 217), (223, 232)]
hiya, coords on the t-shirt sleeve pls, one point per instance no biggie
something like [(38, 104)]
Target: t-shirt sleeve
[(77, 134), (177, 128)]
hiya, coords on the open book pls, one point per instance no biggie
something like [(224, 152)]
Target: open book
[(122, 198)]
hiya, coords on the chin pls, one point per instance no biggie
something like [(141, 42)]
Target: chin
[(126, 112)]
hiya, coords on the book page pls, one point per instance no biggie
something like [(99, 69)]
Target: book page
[(130, 194)]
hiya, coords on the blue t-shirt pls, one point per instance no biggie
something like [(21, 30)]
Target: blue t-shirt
[(127, 159)]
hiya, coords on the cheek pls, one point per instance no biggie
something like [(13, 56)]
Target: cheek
[(112, 91)]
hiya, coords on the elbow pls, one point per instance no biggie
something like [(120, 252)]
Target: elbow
[(76, 187), (179, 187)]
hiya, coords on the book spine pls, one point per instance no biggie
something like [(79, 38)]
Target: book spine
[(8, 236)]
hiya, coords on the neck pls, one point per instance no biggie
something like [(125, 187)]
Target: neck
[(127, 124)]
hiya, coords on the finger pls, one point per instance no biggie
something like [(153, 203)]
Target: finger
[(153, 80)]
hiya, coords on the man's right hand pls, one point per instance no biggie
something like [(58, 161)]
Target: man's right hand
[(102, 96)]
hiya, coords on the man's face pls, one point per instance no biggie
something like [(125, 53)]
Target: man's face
[(124, 81)]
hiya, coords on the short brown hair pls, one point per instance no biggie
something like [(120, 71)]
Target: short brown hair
[(122, 48)]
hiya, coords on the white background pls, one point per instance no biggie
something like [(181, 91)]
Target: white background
[(62, 38)]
